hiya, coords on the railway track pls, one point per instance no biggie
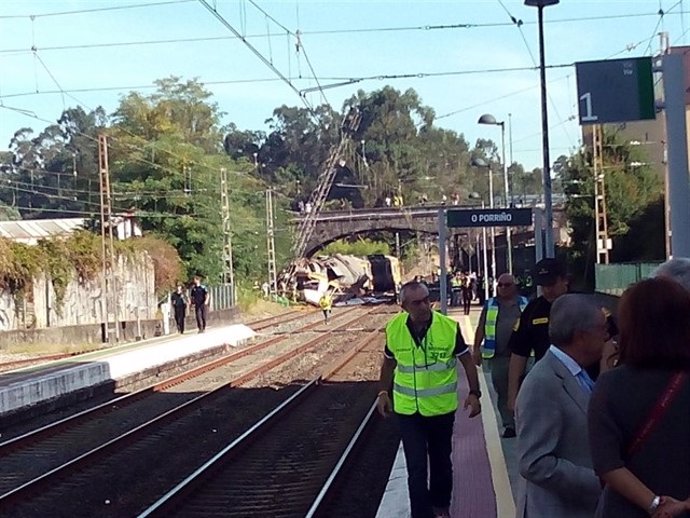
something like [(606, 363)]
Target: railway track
[(40, 449), (288, 464)]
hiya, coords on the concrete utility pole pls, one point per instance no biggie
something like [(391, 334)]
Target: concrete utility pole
[(228, 268), (271, 243), (108, 287)]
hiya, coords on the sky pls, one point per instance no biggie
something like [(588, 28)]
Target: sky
[(464, 58)]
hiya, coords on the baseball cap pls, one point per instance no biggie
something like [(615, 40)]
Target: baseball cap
[(547, 271)]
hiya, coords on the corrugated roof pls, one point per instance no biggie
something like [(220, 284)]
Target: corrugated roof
[(32, 230)]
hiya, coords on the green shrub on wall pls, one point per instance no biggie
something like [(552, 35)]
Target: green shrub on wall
[(80, 253)]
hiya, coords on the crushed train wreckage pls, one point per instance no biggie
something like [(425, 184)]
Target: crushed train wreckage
[(350, 280)]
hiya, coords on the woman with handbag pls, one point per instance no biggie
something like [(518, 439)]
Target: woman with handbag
[(639, 413)]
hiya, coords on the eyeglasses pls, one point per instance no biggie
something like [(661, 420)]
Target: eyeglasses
[(505, 284)]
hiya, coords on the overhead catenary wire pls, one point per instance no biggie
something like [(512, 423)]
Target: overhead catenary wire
[(94, 9)]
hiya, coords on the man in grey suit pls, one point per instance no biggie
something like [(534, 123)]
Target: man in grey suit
[(557, 479)]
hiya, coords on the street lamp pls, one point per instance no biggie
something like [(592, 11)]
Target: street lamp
[(540, 4), (479, 162), (487, 118)]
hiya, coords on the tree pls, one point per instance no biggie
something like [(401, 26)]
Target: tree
[(631, 190)]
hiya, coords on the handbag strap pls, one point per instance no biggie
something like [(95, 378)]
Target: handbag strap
[(657, 413)]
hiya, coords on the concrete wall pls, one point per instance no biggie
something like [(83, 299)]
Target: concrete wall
[(93, 333), (134, 291), (8, 314), (82, 303)]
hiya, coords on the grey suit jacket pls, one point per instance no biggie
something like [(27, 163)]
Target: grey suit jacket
[(557, 479)]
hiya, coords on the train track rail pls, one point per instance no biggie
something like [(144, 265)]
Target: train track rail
[(71, 437), (289, 462)]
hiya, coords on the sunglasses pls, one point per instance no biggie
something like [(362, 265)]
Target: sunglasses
[(505, 284)]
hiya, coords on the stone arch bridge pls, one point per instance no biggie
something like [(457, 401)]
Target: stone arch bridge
[(334, 225)]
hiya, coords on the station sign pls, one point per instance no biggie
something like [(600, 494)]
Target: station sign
[(489, 217), (615, 90)]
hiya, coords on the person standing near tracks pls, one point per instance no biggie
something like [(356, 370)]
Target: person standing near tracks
[(419, 365), (200, 300), (326, 305), (531, 334), (496, 322), (179, 303)]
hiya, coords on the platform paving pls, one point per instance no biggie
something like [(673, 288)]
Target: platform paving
[(34, 385)]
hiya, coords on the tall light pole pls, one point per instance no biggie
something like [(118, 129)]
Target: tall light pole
[(548, 209), (478, 162), (487, 118)]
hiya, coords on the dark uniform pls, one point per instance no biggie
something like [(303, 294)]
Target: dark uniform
[(179, 304), (199, 294), (532, 332)]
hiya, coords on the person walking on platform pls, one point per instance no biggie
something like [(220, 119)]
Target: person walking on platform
[(326, 305), (638, 417), (557, 478), (419, 365), (531, 335), (496, 322), (200, 300), (179, 303), (466, 294)]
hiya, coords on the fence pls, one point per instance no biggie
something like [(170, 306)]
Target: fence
[(615, 278), (222, 297)]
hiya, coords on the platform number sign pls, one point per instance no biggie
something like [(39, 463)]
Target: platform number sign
[(615, 90)]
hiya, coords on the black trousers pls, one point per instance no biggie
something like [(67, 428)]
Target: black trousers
[(466, 301), (432, 438), (180, 314), (201, 312)]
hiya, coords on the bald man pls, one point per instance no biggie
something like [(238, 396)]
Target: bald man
[(496, 323)]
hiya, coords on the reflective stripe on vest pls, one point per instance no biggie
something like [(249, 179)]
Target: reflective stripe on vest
[(446, 389), (489, 348), (425, 379)]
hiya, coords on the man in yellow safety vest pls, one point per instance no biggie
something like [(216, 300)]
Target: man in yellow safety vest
[(419, 365)]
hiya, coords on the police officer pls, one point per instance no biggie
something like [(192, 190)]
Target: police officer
[(179, 303), (531, 335), (422, 348), (496, 323), (200, 300)]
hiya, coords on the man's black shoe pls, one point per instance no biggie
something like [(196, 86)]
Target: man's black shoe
[(509, 433)]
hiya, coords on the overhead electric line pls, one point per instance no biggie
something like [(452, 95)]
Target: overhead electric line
[(93, 10)]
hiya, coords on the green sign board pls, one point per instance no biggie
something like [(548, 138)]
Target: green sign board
[(615, 90)]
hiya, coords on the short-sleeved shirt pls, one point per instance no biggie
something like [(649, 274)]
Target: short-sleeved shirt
[(199, 295), (460, 344), (532, 333)]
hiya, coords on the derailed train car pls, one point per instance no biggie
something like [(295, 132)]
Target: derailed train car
[(347, 278)]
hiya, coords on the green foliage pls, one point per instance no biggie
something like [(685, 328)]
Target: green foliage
[(630, 191), (359, 248)]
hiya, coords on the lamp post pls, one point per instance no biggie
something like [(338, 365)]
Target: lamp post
[(548, 206), (478, 162), (487, 118)]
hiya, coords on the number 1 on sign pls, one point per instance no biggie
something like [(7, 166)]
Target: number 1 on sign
[(588, 117)]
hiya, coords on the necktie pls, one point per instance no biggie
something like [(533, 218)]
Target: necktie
[(585, 381)]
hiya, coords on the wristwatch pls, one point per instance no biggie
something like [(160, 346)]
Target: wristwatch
[(654, 505), (477, 393)]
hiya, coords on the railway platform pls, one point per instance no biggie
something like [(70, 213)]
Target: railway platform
[(483, 463), (34, 386)]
